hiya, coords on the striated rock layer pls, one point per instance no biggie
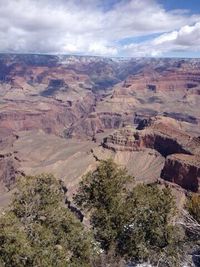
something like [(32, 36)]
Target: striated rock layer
[(82, 96), (183, 170), (48, 104), (182, 164), (162, 135)]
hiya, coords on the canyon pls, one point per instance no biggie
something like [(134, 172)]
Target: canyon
[(62, 114)]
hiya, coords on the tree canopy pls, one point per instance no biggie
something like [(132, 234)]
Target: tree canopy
[(39, 230), (128, 223), (134, 221)]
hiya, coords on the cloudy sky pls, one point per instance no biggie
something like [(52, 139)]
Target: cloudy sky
[(101, 27)]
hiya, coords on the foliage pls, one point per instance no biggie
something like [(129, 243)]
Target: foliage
[(103, 192), (39, 230), (137, 223), (131, 223), (103, 188), (149, 233)]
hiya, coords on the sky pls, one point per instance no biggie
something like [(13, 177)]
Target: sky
[(111, 28)]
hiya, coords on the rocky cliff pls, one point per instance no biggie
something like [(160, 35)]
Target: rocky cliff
[(9, 162), (183, 170), (162, 134), (166, 137), (85, 95), (51, 103)]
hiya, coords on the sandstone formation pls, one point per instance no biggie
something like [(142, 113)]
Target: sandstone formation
[(183, 170), (81, 96), (55, 109), (160, 135), (166, 137)]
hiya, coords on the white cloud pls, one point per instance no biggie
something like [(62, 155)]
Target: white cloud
[(167, 37), (186, 39), (187, 36), (84, 26), (100, 48)]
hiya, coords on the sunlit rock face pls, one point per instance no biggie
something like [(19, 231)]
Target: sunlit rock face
[(182, 163)]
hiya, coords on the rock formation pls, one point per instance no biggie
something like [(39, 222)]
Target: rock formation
[(160, 134), (55, 109), (9, 162), (183, 170), (166, 137), (9, 165)]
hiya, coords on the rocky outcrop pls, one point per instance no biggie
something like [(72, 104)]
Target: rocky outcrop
[(54, 86), (183, 170), (160, 134), (9, 170), (98, 122), (182, 164), (9, 162)]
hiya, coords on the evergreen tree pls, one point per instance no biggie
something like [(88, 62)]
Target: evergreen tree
[(102, 193), (39, 230), (134, 222)]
